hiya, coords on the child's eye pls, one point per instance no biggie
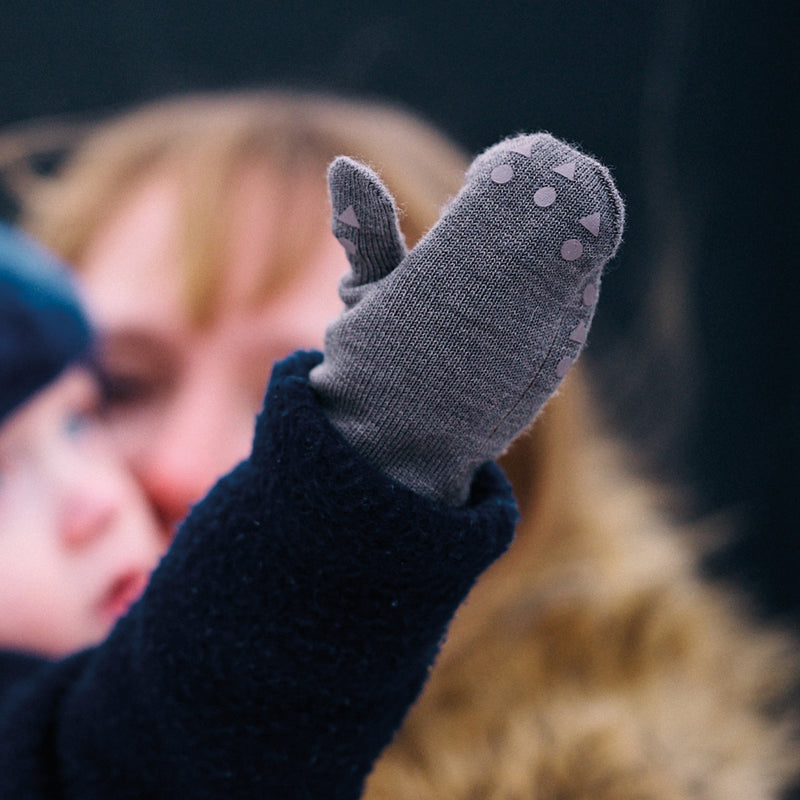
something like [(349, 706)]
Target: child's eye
[(77, 422)]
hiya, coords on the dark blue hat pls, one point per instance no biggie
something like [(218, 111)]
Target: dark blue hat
[(42, 325)]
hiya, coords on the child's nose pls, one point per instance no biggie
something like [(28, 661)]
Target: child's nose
[(83, 519)]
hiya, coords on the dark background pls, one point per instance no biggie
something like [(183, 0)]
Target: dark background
[(691, 104)]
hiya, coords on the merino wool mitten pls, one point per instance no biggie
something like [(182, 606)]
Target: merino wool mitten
[(444, 354)]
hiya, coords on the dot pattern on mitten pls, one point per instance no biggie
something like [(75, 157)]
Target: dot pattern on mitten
[(444, 354)]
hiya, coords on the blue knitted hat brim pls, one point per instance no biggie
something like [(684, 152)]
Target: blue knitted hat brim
[(43, 328)]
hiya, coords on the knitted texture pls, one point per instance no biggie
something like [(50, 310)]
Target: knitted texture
[(42, 327), (445, 354)]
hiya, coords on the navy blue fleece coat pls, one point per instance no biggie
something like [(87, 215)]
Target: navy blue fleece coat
[(280, 641)]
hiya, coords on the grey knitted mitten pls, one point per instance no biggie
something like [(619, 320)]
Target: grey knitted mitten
[(444, 354)]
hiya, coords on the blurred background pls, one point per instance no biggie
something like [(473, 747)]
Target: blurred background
[(690, 103)]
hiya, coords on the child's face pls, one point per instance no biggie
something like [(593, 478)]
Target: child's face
[(77, 541)]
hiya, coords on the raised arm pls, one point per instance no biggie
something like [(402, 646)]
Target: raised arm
[(293, 621)]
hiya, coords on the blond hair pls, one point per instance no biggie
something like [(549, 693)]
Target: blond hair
[(592, 661), (206, 138)]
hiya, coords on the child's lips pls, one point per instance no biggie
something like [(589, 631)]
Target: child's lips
[(124, 591)]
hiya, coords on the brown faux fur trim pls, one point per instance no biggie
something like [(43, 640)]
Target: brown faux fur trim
[(592, 662)]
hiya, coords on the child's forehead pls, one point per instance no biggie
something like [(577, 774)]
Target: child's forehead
[(72, 391)]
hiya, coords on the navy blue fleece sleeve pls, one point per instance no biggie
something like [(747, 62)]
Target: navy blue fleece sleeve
[(281, 639)]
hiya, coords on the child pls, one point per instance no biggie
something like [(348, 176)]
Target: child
[(293, 621), (78, 541)]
